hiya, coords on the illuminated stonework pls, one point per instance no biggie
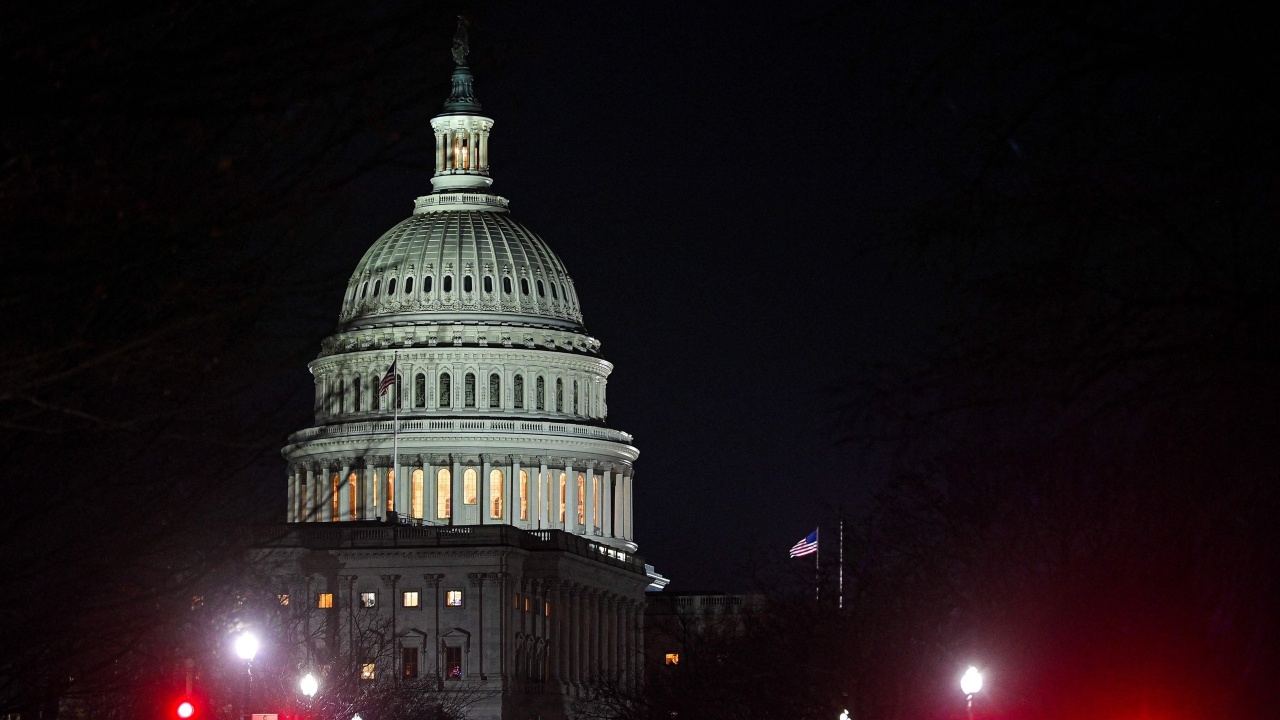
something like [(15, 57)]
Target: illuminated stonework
[(479, 504)]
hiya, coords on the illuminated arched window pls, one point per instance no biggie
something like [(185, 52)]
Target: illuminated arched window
[(495, 494), (524, 494), (415, 494), (391, 490), (517, 388), (540, 394), (446, 390), (444, 494), (563, 480), (469, 390), (582, 500), (470, 486), (419, 390), (495, 390), (559, 395), (575, 397), (353, 495), (357, 402), (335, 492)]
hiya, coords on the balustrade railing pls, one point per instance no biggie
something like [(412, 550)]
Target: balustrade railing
[(410, 427)]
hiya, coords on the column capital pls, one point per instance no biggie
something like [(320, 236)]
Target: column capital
[(390, 581), (433, 579), (477, 579)]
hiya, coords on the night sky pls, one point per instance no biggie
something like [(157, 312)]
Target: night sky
[(719, 188)]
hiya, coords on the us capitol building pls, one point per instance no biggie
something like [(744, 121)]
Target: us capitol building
[(469, 520)]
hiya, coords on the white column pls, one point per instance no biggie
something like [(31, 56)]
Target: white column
[(344, 494), (626, 507), (513, 493), (366, 509), (429, 490), (484, 500), (606, 487), (544, 496), (455, 497), (291, 511)]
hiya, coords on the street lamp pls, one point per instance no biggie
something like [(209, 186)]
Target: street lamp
[(970, 684), (309, 686), (246, 647)]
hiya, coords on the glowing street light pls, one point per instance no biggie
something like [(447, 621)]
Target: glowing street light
[(247, 646), (309, 685), (970, 684)]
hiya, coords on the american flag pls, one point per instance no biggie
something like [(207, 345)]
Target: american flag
[(807, 546), (388, 380)]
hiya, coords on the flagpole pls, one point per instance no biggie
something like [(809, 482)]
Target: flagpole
[(841, 603), (395, 433)]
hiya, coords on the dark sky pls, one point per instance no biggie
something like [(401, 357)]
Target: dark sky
[(720, 185)]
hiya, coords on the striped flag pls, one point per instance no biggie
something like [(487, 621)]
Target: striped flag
[(388, 380), (807, 546)]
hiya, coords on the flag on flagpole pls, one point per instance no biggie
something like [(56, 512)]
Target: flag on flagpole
[(388, 380), (807, 546)]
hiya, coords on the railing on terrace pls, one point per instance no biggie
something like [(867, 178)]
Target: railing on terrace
[(384, 427), (414, 534)]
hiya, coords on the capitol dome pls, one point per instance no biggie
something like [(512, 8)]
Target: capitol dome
[(461, 258)]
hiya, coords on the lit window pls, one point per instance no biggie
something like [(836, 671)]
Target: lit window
[(409, 662), (283, 598), (673, 659), (416, 493), (527, 604), (324, 601), (524, 494), (391, 491), (353, 494), (444, 494), (453, 598), (546, 608), (515, 602), (582, 500), (469, 390), (410, 598), (563, 480), (495, 390), (333, 497), (368, 599), (495, 494), (469, 478), (368, 671), (518, 388)]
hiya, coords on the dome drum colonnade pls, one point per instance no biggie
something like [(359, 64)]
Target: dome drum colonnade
[(501, 392)]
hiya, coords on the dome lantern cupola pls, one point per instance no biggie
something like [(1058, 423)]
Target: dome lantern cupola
[(462, 134)]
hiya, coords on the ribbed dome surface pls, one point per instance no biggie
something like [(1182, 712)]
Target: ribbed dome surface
[(461, 266)]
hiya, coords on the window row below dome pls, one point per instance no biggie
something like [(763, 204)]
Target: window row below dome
[(353, 393), (367, 291)]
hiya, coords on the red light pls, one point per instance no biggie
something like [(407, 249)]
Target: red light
[(186, 709)]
